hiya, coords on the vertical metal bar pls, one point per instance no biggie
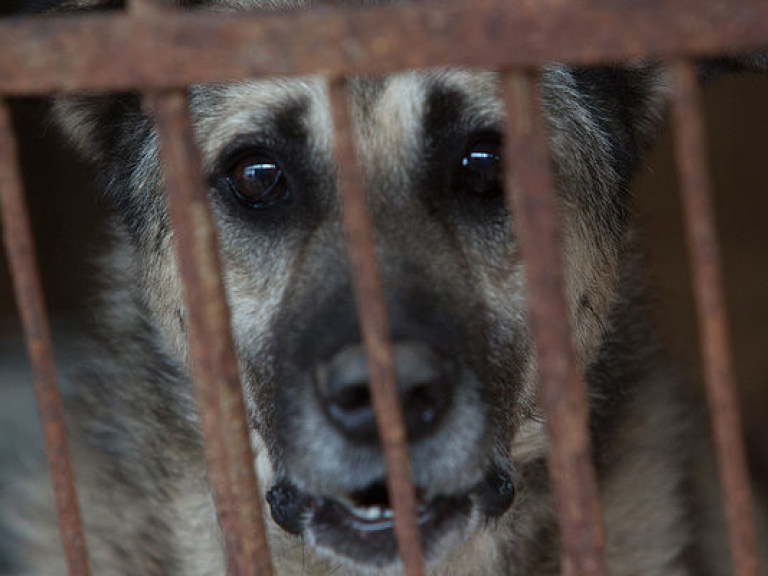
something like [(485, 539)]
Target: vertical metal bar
[(371, 309), (530, 194), (214, 370), (20, 248), (704, 250)]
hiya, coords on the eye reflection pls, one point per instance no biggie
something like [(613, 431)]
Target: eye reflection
[(482, 168), (258, 182)]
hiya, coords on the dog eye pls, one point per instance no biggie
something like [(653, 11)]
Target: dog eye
[(481, 170), (258, 181)]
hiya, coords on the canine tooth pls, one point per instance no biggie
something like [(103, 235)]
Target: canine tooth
[(372, 513), (365, 512)]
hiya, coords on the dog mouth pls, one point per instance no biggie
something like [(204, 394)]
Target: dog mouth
[(360, 525)]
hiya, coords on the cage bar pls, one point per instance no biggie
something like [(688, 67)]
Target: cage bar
[(532, 202), (374, 326), (20, 249), (115, 51), (221, 409), (704, 252)]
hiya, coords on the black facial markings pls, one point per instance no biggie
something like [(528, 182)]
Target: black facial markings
[(283, 140), (453, 182), (289, 122), (445, 108)]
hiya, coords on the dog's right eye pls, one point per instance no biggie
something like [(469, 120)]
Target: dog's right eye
[(258, 181)]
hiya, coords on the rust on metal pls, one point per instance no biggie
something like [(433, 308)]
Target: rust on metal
[(20, 249), (215, 378), (374, 325), (531, 198), (704, 251), (116, 51)]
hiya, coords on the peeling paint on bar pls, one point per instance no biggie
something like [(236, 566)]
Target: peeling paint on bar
[(704, 251), (215, 378), (116, 51), (20, 248), (530, 195), (374, 325)]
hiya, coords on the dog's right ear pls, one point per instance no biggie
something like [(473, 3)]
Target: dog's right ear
[(89, 122), (44, 6), (98, 126)]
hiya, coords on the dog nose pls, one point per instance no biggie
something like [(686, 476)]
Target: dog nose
[(425, 385)]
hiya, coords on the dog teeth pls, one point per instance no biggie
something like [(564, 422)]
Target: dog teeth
[(371, 513)]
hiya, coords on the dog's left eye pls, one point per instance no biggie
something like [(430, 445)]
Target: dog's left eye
[(481, 170), (257, 181)]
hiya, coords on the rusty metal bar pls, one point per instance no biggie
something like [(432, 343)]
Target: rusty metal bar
[(20, 248), (704, 250), (214, 370), (374, 325), (530, 194), (115, 51)]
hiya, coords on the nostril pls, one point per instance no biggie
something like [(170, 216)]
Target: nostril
[(424, 405), (423, 382), (342, 387), (357, 397), (424, 401), (351, 411)]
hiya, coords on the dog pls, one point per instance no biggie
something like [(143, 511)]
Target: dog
[(429, 144)]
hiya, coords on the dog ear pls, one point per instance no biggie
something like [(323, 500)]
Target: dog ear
[(97, 126), (631, 101), (43, 6), (629, 104), (714, 67)]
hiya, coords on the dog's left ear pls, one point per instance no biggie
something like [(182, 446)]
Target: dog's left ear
[(713, 67), (630, 101)]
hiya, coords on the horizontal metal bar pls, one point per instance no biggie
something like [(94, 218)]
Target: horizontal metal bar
[(374, 325), (20, 249), (115, 51), (214, 370), (704, 250), (562, 391)]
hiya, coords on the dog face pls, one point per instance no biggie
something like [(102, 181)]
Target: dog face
[(430, 148)]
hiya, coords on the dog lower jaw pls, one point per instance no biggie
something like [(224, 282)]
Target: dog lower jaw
[(371, 542), (359, 529)]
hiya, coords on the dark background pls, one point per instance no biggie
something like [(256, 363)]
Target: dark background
[(66, 213), (737, 123)]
